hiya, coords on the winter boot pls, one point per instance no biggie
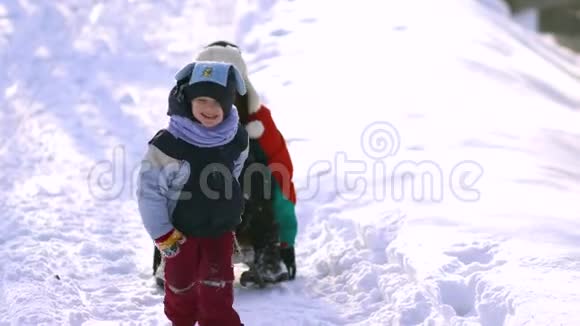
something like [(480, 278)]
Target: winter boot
[(269, 266), (251, 278)]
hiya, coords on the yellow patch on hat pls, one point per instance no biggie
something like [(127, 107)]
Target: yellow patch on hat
[(207, 72)]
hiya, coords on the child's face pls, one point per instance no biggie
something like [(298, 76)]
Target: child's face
[(207, 111)]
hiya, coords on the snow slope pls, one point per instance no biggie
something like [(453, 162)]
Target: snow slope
[(366, 96)]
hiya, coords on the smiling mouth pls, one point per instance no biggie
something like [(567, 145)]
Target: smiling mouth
[(209, 117)]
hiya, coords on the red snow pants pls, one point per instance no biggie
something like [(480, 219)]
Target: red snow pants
[(199, 283)]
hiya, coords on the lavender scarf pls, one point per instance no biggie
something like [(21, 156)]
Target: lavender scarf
[(198, 135)]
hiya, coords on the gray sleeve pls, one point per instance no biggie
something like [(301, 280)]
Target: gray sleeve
[(155, 175), (239, 162)]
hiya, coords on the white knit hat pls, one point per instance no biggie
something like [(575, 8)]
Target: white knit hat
[(232, 55)]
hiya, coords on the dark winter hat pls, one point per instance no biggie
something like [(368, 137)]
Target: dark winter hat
[(223, 44), (216, 80), (223, 95)]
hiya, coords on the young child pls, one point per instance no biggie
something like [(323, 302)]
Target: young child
[(189, 196), (274, 236), (272, 228)]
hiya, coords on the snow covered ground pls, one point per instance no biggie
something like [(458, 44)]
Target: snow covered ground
[(483, 113)]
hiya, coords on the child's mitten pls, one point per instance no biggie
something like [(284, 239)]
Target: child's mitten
[(169, 244)]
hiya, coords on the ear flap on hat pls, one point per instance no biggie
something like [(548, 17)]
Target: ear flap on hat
[(184, 72), (240, 83)]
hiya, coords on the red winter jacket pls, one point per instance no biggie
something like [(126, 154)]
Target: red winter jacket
[(261, 126)]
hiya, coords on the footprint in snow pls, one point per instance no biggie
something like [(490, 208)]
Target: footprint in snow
[(482, 253), (466, 289)]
